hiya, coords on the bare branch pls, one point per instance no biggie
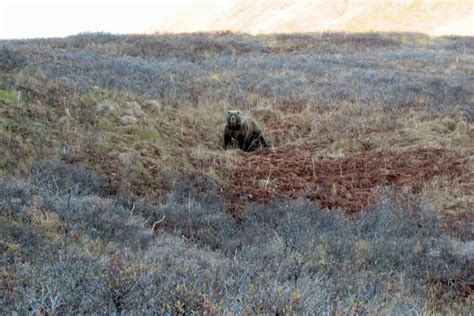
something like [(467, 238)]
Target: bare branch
[(158, 221)]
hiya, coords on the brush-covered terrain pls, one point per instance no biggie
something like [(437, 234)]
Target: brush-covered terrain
[(116, 195)]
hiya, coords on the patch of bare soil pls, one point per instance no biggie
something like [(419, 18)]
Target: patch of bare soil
[(348, 183)]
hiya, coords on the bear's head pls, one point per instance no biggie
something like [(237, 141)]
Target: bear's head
[(233, 118)]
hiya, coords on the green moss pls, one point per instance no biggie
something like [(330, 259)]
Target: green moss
[(456, 142), (106, 125), (5, 124), (6, 221), (180, 162), (3, 165), (7, 95), (3, 132), (144, 133), (91, 165)]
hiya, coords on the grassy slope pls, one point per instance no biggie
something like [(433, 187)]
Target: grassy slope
[(161, 142), (142, 144)]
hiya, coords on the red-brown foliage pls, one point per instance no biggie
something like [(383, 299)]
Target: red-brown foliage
[(348, 183)]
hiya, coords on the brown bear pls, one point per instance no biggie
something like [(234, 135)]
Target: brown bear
[(243, 130)]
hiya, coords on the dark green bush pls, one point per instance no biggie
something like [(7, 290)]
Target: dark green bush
[(11, 59)]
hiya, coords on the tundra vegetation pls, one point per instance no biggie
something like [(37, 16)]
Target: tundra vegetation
[(116, 195)]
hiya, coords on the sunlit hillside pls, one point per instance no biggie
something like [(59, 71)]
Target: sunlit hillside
[(434, 17)]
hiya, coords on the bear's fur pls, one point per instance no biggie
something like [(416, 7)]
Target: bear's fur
[(244, 131)]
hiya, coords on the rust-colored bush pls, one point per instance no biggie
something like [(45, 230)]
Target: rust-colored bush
[(348, 183)]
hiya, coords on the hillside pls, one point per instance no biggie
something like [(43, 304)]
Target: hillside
[(434, 17), (117, 196)]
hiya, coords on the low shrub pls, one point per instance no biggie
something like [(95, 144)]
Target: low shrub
[(11, 59)]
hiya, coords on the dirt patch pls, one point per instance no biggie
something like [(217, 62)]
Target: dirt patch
[(348, 183)]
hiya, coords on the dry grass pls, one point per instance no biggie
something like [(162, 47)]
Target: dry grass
[(137, 157)]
